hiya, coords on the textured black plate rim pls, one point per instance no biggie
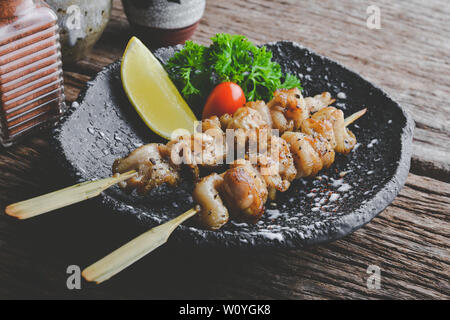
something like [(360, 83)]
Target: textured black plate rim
[(336, 230)]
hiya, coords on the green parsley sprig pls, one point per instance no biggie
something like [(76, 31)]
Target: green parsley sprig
[(197, 69)]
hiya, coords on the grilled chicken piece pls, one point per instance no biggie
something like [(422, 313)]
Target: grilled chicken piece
[(213, 214), (288, 109), (152, 165), (275, 164), (280, 148), (244, 191), (225, 120), (205, 149), (269, 154), (263, 111), (244, 118), (268, 169), (246, 123), (324, 140), (318, 102), (212, 123), (307, 160), (314, 148), (319, 128), (344, 138)]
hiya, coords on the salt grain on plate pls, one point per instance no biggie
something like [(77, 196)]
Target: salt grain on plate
[(343, 173), (273, 214), (342, 95), (272, 236), (333, 197), (344, 187), (243, 224), (337, 183), (356, 147), (374, 141)]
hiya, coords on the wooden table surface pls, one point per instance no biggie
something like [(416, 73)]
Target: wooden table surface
[(408, 57)]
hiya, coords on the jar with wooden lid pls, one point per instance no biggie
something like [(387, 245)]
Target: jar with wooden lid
[(31, 79)]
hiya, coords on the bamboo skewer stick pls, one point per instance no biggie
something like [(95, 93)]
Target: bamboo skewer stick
[(134, 250), (350, 119), (64, 197)]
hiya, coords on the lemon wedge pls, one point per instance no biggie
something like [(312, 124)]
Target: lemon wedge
[(152, 93)]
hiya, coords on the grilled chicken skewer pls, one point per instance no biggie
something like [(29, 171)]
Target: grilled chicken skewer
[(246, 186), (287, 111)]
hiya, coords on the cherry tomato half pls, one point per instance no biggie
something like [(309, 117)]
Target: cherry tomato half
[(227, 97)]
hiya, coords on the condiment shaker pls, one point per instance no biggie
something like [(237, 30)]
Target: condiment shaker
[(31, 78)]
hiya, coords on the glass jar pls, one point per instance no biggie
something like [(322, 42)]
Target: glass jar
[(31, 78)]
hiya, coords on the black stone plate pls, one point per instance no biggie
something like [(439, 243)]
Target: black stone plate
[(104, 126)]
